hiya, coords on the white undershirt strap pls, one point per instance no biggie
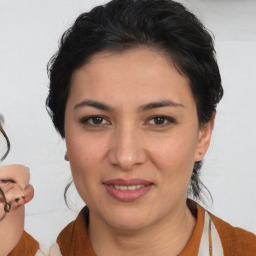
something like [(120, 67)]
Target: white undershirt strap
[(211, 237)]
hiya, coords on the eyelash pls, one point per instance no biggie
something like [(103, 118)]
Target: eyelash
[(86, 120), (169, 120)]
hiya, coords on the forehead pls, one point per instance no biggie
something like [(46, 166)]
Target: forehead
[(137, 75)]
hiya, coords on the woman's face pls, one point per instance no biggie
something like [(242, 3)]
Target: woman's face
[(132, 137)]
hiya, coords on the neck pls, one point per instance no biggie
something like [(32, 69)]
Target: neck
[(168, 236)]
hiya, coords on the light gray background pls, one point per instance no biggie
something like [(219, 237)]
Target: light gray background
[(29, 32)]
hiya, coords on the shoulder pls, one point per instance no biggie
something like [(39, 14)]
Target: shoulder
[(64, 239), (235, 241), (27, 245), (73, 239)]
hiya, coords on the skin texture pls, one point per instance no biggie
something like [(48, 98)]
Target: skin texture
[(12, 224), (130, 144)]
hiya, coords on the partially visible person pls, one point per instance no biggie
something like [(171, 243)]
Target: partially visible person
[(15, 191)]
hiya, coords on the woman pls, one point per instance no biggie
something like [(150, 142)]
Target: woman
[(133, 91)]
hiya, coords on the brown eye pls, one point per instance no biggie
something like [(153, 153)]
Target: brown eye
[(159, 120), (94, 121), (97, 120)]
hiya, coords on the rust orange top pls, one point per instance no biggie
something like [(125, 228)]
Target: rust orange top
[(27, 246), (73, 240), (235, 241)]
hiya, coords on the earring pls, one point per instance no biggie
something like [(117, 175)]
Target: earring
[(66, 156)]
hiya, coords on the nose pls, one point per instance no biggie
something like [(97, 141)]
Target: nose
[(127, 148)]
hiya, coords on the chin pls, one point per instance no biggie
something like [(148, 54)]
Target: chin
[(130, 225), (128, 220)]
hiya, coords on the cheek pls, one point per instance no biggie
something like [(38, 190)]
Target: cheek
[(174, 160), (84, 150), (175, 167), (177, 155), (84, 158)]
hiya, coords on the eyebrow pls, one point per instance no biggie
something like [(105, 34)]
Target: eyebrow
[(143, 108), (159, 104), (95, 104)]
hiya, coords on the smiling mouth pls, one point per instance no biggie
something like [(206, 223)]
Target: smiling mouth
[(133, 187), (127, 190)]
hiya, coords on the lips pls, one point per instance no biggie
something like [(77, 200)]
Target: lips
[(132, 187), (127, 190)]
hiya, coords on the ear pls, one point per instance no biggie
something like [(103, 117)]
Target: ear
[(204, 138), (66, 156)]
